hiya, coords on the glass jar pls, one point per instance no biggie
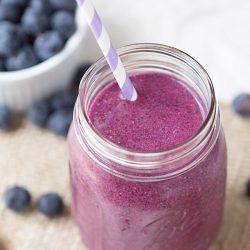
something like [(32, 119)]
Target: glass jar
[(168, 200)]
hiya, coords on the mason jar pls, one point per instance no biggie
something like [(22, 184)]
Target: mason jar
[(167, 200)]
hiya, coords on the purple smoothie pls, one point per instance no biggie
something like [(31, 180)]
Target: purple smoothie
[(164, 115), (179, 213)]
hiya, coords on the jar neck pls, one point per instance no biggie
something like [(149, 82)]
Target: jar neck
[(145, 166)]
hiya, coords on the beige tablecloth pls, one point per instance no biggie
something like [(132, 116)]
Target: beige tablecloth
[(38, 159)]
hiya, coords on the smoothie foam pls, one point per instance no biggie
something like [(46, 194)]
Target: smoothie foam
[(164, 115)]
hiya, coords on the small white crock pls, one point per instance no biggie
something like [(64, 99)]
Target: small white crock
[(20, 88)]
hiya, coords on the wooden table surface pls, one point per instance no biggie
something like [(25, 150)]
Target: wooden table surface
[(38, 160)]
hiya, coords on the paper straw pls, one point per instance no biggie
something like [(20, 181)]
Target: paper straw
[(108, 50)]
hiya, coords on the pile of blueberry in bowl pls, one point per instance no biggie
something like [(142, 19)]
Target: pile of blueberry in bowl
[(32, 31), (41, 45)]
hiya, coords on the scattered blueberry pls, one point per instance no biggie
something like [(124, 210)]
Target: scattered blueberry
[(48, 44), (248, 188), (41, 6), (10, 40), (69, 5), (35, 22), (64, 22), (17, 198), (50, 204), (241, 104), (62, 100), (2, 67), (10, 13), (59, 122), (5, 118), (16, 3), (80, 72), (38, 113), (23, 59)]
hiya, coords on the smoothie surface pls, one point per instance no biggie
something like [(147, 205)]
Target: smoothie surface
[(165, 114)]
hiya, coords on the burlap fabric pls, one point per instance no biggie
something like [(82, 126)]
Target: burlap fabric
[(38, 160)]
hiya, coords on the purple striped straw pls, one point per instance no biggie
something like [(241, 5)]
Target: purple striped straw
[(108, 50)]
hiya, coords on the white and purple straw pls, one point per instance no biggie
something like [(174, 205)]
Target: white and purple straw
[(108, 50)]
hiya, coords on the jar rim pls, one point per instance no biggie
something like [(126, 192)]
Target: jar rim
[(149, 157)]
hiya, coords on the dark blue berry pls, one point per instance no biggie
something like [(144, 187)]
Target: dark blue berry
[(25, 37), (64, 22), (41, 6), (35, 22), (50, 204), (48, 45), (80, 72), (2, 67), (38, 113), (59, 122), (16, 3), (17, 198), (23, 59), (10, 13), (10, 40), (69, 5), (241, 104), (248, 188), (5, 118), (63, 100)]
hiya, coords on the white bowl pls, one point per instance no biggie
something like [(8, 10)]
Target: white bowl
[(19, 89)]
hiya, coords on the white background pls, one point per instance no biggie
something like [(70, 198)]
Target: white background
[(215, 32)]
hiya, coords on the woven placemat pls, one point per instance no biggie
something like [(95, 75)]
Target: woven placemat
[(38, 160)]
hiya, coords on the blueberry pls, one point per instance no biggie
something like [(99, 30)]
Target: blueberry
[(48, 45), (69, 5), (23, 59), (35, 22), (241, 104), (248, 188), (5, 118), (62, 100), (10, 40), (59, 122), (64, 22), (2, 67), (50, 204), (25, 37), (10, 13), (16, 3), (17, 198), (80, 72), (41, 6), (38, 113)]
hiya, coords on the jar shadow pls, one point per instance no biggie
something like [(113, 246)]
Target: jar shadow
[(234, 231)]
